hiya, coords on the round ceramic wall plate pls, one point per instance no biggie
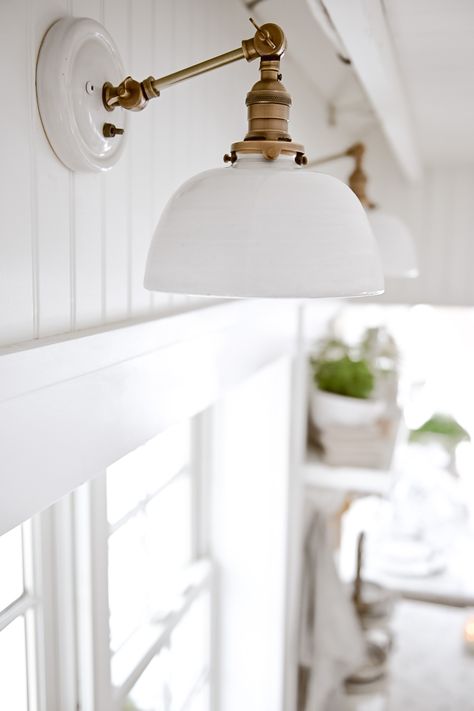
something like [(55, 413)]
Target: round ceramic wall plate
[(76, 58)]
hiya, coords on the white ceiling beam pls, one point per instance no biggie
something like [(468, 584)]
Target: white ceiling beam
[(362, 29)]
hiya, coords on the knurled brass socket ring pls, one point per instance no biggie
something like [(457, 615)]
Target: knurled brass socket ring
[(271, 150)]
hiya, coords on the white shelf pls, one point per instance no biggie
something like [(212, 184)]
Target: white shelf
[(355, 480)]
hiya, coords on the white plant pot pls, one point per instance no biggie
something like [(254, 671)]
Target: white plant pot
[(331, 409)]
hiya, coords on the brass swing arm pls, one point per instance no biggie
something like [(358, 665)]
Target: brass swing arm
[(355, 151), (269, 42)]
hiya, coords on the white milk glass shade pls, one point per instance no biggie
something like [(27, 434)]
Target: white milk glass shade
[(265, 229), (396, 245)]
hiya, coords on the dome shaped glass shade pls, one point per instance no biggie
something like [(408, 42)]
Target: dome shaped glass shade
[(265, 229), (396, 245)]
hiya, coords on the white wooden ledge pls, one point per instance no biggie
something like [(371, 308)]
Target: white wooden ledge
[(70, 406)]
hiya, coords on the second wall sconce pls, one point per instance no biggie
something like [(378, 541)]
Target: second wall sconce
[(261, 227), (396, 245)]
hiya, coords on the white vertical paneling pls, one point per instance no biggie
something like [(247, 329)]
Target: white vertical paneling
[(165, 166), (162, 150), (73, 246), (184, 117), (141, 58), (171, 100), (440, 215), (116, 277), (469, 221), (17, 193), (432, 261), (55, 194), (460, 227), (87, 225)]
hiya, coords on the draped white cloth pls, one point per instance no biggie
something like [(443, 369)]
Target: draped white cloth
[(332, 645)]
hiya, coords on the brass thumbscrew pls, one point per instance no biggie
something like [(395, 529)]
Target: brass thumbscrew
[(264, 34), (110, 130)]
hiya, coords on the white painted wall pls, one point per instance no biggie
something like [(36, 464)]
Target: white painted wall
[(439, 211), (73, 246), (248, 531)]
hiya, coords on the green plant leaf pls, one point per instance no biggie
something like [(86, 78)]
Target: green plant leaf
[(344, 376), (440, 424)]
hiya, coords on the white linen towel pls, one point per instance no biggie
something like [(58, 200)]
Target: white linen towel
[(332, 645)]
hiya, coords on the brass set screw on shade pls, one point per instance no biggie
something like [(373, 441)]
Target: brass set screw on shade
[(268, 101)]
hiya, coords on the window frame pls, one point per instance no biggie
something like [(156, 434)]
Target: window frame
[(48, 399), (95, 690), (29, 606)]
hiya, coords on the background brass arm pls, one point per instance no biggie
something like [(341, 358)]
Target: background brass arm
[(269, 42), (355, 151), (327, 159)]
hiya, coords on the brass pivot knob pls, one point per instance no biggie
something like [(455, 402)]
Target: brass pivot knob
[(110, 130), (263, 34)]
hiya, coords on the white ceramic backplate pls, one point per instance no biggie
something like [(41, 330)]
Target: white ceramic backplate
[(76, 58)]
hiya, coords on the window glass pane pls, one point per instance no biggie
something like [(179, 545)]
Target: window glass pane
[(200, 701), (11, 567), (177, 678), (127, 579), (141, 472), (150, 693), (189, 653), (13, 677), (132, 652), (146, 555), (169, 544)]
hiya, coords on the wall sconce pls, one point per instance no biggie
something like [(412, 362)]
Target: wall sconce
[(260, 227), (396, 245)]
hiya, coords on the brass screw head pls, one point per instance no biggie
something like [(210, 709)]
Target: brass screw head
[(110, 130)]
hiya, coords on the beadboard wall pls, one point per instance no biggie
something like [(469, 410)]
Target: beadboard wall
[(72, 245), (440, 213), (439, 210)]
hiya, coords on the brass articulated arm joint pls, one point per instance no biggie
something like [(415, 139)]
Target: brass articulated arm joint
[(269, 41), (358, 178), (268, 102)]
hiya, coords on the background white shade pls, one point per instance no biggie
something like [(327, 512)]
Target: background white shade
[(396, 245), (264, 229)]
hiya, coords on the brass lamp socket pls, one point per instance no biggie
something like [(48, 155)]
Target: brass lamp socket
[(268, 110)]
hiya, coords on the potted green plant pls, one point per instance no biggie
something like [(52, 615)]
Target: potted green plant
[(343, 387), (353, 402)]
